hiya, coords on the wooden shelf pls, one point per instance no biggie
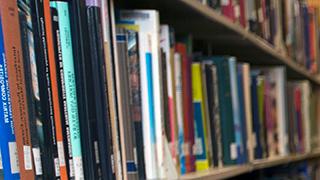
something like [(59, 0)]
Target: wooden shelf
[(233, 171), (190, 16)]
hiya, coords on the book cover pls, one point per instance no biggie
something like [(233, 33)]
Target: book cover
[(69, 78), (200, 120), (15, 64), (9, 157)]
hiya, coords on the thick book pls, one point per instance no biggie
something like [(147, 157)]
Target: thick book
[(200, 120), (229, 147), (17, 82), (48, 147), (9, 157), (66, 157), (125, 39), (70, 85), (188, 125), (100, 112)]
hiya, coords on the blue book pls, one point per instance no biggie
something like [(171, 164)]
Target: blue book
[(7, 136), (258, 152), (244, 156), (236, 109)]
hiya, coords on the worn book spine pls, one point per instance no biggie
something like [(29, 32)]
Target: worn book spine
[(9, 157), (70, 82), (15, 64), (64, 142)]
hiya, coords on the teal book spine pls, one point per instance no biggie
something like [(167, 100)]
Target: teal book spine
[(70, 85)]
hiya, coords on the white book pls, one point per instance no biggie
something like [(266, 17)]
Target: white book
[(148, 21)]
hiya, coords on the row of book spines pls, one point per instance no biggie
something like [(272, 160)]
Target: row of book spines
[(53, 74)]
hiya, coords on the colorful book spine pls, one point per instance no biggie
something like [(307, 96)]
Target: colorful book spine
[(9, 158), (235, 109), (17, 82), (55, 97), (180, 113), (200, 121), (187, 107), (69, 78)]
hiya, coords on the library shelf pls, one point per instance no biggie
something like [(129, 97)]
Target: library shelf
[(224, 36), (233, 171)]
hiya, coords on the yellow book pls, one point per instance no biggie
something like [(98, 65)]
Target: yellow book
[(201, 150)]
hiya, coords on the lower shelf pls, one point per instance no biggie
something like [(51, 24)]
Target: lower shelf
[(232, 171)]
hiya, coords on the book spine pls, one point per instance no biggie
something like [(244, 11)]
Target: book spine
[(48, 149), (17, 82), (179, 108), (227, 9), (55, 95), (9, 157), (65, 143), (200, 121), (262, 122), (69, 78)]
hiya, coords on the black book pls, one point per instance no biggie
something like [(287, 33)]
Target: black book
[(81, 54), (32, 88), (99, 92), (48, 146), (62, 93)]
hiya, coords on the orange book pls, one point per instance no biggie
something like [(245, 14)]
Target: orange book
[(17, 85), (54, 86)]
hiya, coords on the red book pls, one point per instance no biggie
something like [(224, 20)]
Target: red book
[(243, 18), (187, 108), (299, 124), (227, 9)]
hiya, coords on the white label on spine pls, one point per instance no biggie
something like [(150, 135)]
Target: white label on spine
[(62, 161), (254, 140), (71, 168), (27, 157), (57, 167), (198, 147), (224, 2), (233, 150), (13, 157), (37, 161), (96, 152), (78, 167), (1, 167)]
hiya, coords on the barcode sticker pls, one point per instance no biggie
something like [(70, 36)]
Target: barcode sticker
[(1, 166), (62, 161), (37, 161), (14, 162), (233, 151), (224, 2), (78, 167), (71, 168), (57, 167), (198, 147), (27, 157)]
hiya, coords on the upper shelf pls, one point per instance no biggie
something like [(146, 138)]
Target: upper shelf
[(225, 37)]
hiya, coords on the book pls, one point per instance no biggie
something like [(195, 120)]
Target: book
[(200, 120), (125, 40), (103, 144), (69, 78), (188, 122), (13, 52), (32, 88), (61, 161), (229, 147), (9, 157), (45, 125)]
